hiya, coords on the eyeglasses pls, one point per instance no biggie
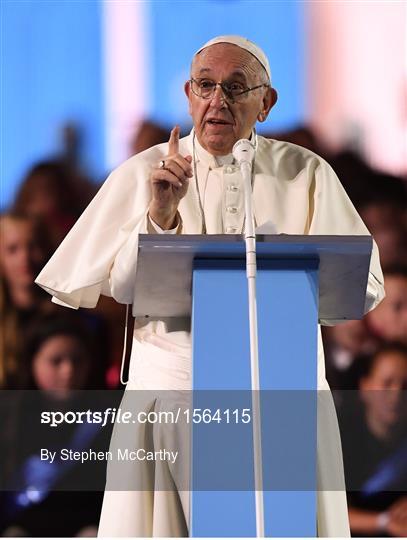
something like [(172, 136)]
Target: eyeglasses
[(234, 92)]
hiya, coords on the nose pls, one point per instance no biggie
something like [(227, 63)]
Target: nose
[(218, 99)]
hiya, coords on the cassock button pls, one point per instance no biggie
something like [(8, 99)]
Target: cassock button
[(230, 229), (229, 170), (231, 209), (232, 187)]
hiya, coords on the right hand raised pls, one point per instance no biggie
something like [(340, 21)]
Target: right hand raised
[(169, 184)]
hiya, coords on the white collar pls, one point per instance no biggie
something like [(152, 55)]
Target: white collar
[(224, 160)]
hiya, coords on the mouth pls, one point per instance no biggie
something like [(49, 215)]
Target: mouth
[(217, 122)]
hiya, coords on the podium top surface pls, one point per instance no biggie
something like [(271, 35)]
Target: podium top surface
[(165, 262)]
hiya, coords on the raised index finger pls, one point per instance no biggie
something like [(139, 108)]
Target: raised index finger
[(173, 142)]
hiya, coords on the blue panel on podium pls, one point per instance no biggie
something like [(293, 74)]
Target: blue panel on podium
[(221, 354), (222, 502), (287, 306), (220, 313), (223, 514)]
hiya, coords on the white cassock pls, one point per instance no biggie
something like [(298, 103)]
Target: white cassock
[(296, 190)]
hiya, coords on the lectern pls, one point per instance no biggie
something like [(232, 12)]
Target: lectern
[(300, 281)]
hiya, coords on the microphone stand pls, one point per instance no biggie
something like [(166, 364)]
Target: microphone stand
[(251, 269)]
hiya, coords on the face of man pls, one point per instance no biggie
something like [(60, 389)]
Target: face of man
[(218, 123)]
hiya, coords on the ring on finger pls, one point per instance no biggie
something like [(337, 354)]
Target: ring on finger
[(162, 164)]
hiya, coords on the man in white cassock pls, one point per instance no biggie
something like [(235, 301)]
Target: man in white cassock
[(193, 186)]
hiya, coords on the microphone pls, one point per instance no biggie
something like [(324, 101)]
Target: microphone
[(243, 152)]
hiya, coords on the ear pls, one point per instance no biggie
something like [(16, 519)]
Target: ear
[(187, 90), (268, 102)]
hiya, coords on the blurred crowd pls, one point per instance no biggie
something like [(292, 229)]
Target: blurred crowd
[(57, 351)]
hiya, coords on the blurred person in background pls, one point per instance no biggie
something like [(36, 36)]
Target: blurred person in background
[(387, 222), (59, 360), (374, 440), (389, 321), (147, 135), (345, 343), (355, 174), (381, 200), (384, 211), (60, 355), (56, 191), (24, 248), (51, 191), (342, 344)]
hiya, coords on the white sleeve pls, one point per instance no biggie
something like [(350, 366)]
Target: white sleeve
[(375, 284), (123, 272), (334, 214), (78, 271)]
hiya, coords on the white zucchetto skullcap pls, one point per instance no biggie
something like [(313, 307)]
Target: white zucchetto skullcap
[(243, 43)]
